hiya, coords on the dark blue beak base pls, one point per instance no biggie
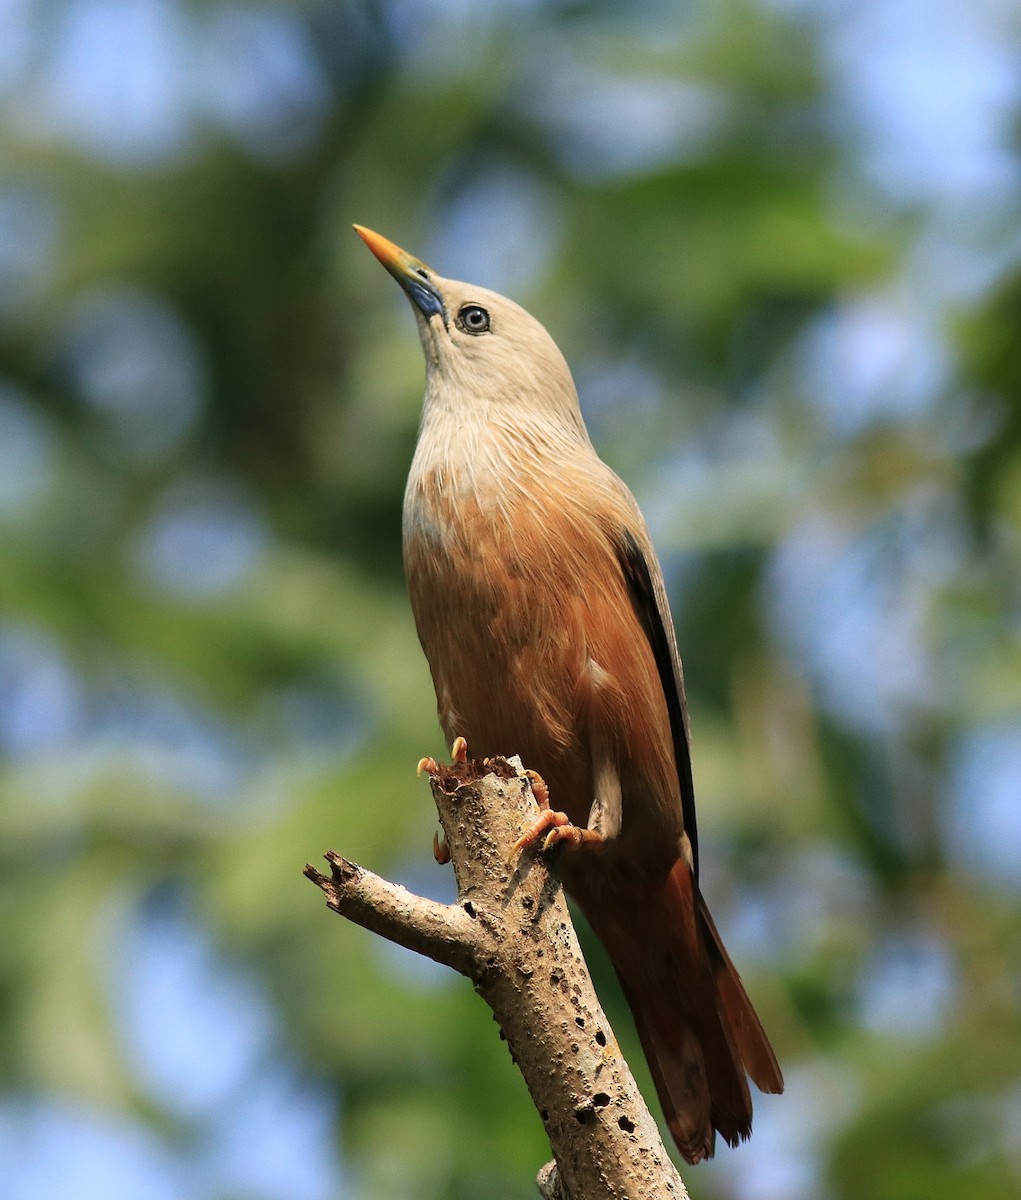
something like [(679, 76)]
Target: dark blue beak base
[(424, 296)]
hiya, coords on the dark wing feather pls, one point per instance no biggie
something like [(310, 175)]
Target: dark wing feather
[(648, 595)]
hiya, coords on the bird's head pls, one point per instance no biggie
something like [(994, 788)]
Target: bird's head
[(480, 347)]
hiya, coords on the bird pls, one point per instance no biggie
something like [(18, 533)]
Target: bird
[(541, 607)]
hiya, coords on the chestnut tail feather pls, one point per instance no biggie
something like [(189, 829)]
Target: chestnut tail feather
[(696, 1023)]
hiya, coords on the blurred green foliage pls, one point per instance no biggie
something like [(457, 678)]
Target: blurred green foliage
[(806, 369)]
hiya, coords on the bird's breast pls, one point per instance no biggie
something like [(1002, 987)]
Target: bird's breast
[(524, 614), (491, 568), (495, 563)]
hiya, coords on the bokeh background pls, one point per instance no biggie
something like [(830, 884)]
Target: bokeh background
[(779, 241)]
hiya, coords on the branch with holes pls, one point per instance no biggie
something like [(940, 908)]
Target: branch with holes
[(510, 933)]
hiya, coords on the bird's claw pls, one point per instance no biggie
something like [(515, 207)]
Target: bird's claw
[(441, 851), (458, 754), (539, 789), (574, 836), (557, 827)]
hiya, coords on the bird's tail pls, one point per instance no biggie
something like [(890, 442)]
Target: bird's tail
[(697, 1026)]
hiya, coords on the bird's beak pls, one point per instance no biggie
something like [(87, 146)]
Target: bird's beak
[(412, 274)]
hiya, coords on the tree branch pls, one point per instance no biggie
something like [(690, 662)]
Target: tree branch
[(444, 932), (510, 932)]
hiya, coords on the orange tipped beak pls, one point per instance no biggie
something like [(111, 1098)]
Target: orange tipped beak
[(410, 272)]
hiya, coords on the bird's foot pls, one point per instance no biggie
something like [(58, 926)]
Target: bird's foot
[(557, 827), (458, 754), (539, 789)]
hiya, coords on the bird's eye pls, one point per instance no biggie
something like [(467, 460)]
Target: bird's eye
[(473, 318)]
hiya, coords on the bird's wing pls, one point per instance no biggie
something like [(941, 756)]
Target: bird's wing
[(648, 595)]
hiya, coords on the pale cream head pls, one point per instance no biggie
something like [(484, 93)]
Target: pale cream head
[(480, 348)]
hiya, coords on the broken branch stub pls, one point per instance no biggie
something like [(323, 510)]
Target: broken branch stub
[(510, 932)]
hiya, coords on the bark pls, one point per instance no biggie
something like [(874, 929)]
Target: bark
[(510, 932)]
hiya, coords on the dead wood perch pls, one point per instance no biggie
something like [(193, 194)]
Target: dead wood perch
[(511, 934)]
